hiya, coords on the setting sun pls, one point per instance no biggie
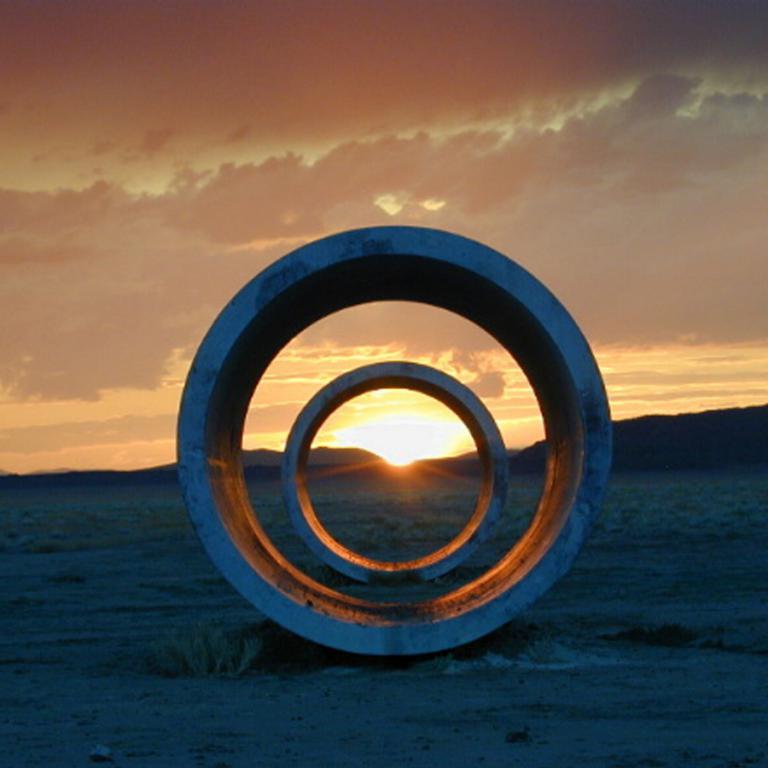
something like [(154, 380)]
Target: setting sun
[(402, 439), (399, 425)]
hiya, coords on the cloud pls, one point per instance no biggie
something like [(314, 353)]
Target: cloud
[(661, 94), (617, 150), (293, 77), (64, 213), (78, 434), (489, 384), (155, 140), (97, 293), (646, 217)]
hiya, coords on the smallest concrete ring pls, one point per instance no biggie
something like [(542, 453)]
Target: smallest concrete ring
[(396, 375)]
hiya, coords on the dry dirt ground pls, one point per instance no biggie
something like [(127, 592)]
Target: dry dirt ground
[(653, 651)]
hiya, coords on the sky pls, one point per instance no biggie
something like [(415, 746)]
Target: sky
[(154, 157)]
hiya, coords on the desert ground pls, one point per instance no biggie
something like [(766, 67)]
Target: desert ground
[(120, 641)]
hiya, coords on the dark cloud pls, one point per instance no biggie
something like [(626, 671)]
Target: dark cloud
[(153, 141), (104, 304), (315, 72), (640, 144), (661, 94), (74, 435), (60, 211), (490, 384), (646, 217)]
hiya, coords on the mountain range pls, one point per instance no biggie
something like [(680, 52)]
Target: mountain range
[(712, 440)]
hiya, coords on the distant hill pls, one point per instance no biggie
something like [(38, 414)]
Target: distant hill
[(259, 465), (262, 457), (722, 439), (712, 440)]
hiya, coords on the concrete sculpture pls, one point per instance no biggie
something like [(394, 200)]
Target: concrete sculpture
[(462, 401), (393, 263)]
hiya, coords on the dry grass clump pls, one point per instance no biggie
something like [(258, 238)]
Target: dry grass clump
[(205, 651), (210, 651)]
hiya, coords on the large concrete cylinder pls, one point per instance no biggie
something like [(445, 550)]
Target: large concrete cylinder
[(411, 264)]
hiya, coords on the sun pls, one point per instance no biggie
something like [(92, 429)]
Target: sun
[(400, 425), (402, 439)]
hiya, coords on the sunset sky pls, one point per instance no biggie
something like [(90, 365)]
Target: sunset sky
[(156, 156)]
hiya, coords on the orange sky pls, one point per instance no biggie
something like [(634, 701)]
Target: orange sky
[(154, 157)]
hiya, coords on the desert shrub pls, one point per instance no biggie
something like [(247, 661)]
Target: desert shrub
[(204, 651), (267, 648)]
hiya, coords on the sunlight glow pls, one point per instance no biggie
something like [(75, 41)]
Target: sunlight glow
[(390, 204), (403, 438)]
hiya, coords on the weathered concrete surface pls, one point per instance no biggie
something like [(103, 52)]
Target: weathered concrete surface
[(395, 375), (411, 264)]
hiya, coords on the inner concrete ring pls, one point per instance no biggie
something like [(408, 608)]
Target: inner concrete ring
[(406, 264), (395, 375)]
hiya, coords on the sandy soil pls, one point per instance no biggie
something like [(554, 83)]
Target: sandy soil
[(92, 582)]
